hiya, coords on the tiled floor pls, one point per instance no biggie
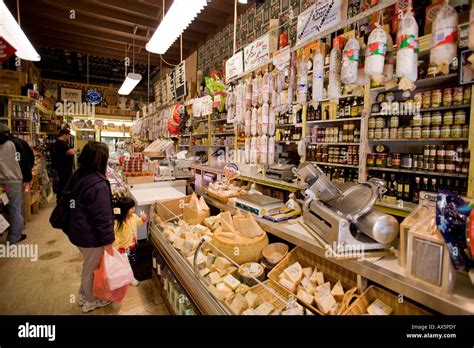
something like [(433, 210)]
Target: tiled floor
[(50, 285)]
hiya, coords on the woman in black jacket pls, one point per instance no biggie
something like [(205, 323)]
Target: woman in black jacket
[(91, 226)]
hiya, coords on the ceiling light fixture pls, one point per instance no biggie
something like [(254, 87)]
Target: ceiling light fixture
[(177, 19), (132, 79), (10, 30), (243, 1)]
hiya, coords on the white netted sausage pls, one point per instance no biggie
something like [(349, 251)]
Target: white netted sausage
[(302, 90), (362, 78), (265, 117), (318, 77), (334, 87), (350, 62), (444, 36), (254, 122), (377, 48), (407, 55)]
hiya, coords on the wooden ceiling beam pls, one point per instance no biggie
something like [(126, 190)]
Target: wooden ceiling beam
[(131, 7)]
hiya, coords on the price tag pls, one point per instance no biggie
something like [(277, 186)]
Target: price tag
[(4, 198), (400, 203)]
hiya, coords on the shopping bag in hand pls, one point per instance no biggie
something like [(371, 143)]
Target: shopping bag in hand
[(100, 286), (118, 271)]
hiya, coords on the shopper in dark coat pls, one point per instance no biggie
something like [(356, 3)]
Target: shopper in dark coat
[(91, 226)]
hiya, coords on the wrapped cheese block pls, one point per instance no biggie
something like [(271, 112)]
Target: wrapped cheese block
[(407, 54), (389, 61), (318, 76), (271, 122), (271, 151), (196, 211), (350, 62), (265, 117), (255, 92), (334, 87), (254, 122), (444, 38), (377, 48), (362, 78), (248, 122), (302, 85), (247, 150), (263, 152), (253, 151)]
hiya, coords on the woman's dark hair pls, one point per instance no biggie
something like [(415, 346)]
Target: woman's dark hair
[(93, 158), (124, 204)]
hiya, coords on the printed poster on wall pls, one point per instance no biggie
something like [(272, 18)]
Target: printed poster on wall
[(234, 66), (257, 53), (202, 106), (321, 16)]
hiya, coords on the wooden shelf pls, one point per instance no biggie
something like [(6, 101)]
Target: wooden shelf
[(222, 134), (336, 144), (335, 120), (219, 120), (419, 172), (441, 108), (418, 140), (185, 135), (297, 125), (342, 97), (200, 134), (428, 82), (334, 164)]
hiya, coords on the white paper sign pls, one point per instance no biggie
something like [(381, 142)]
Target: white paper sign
[(257, 53), (281, 58), (234, 65), (4, 198), (202, 106), (318, 17), (3, 224)]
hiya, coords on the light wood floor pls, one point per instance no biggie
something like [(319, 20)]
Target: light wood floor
[(50, 286)]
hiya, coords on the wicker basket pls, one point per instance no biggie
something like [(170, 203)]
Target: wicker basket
[(249, 249), (265, 295), (332, 273), (372, 293)]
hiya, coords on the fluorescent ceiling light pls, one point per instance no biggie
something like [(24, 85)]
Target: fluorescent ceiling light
[(243, 1), (130, 83), (12, 33), (176, 20)]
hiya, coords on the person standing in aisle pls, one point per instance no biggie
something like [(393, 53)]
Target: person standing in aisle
[(62, 161), (15, 176), (91, 223)]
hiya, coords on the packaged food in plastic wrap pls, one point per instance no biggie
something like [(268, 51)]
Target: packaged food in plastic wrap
[(350, 62), (377, 48), (271, 122), (444, 38), (334, 87), (266, 87), (247, 150), (254, 122), (407, 54), (259, 121), (302, 83), (263, 149), (265, 117), (318, 76), (248, 122), (255, 92), (362, 78), (253, 150), (451, 217), (248, 94), (271, 151)]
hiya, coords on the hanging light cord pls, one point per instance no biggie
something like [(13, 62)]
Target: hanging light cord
[(18, 11)]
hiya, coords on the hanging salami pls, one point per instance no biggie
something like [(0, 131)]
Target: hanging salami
[(334, 87), (318, 77), (444, 38), (350, 62), (407, 54), (377, 48)]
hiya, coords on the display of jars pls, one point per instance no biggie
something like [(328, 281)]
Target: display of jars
[(458, 95), (380, 122), (436, 118), (435, 132), (448, 118), (456, 131), (408, 133), (394, 122), (426, 119), (381, 160), (426, 99), (436, 98), (393, 133), (445, 132), (447, 96), (416, 132), (396, 160), (460, 117)]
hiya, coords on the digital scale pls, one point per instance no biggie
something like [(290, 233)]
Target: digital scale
[(258, 204)]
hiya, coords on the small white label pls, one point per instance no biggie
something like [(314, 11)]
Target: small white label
[(158, 269), (154, 263), (400, 203), (4, 198)]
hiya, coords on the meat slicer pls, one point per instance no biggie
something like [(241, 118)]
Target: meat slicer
[(345, 219)]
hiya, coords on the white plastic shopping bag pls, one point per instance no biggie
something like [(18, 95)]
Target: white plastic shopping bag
[(118, 271)]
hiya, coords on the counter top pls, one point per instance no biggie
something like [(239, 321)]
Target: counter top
[(384, 270), (146, 194)]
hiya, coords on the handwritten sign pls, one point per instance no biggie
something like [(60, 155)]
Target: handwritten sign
[(320, 16), (202, 106), (257, 53), (176, 83), (281, 58), (234, 66)]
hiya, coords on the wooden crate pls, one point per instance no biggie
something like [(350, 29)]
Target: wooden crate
[(359, 307), (332, 272)]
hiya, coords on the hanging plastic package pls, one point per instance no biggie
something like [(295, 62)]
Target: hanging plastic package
[(247, 150), (255, 92), (265, 117), (254, 122), (451, 217), (253, 151), (302, 89), (318, 77), (248, 122), (230, 106), (266, 87), (444, 38), (389, 61), (334, 87), (274, 92), (248, 94), (263, 149), (260, 90), (362, 78), (377, 48), (271, 151), (271, 122), (292, 80), (259, 121), (407, 54), (350, 62)]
